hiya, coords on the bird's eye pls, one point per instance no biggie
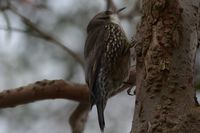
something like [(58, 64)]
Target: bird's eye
[(108, 12)]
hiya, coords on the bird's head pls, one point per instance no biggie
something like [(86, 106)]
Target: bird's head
[(103, 18)]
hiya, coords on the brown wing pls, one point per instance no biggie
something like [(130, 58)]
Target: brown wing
[(94, 48)]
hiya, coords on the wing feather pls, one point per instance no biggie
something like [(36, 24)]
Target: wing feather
[(94, 48)]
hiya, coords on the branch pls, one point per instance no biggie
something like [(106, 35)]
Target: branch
[(44, 35), (79, 117), (23, 31), (41, 90), (50, 89)]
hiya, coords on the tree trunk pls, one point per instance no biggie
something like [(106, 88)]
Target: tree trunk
[(166, 48)]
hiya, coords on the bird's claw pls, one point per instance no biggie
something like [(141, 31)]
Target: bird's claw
[(129, 89), (129, 92)]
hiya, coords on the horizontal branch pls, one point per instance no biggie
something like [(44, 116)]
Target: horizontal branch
[(50, 89), (41, 90)]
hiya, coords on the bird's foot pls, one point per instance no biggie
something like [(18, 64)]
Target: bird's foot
[(129, 91)]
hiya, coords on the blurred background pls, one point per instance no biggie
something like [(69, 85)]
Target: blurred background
[(25, 59)]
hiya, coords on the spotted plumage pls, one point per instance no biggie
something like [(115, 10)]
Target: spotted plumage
[(107, 54)]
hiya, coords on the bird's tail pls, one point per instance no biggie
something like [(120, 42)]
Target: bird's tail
[(100, 112)]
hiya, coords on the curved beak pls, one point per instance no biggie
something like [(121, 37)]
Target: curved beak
[(121, 9)]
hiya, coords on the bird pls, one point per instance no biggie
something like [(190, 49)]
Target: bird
[(107, 59)]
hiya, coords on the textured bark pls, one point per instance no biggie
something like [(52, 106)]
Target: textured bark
[(166, 49)]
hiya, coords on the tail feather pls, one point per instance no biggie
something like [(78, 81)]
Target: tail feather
[(92, 100), (100, 112)]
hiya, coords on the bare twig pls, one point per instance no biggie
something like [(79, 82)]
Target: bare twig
[(45, 35), (13, 29)]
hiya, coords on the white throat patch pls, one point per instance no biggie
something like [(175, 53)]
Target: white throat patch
[(115, 19)]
